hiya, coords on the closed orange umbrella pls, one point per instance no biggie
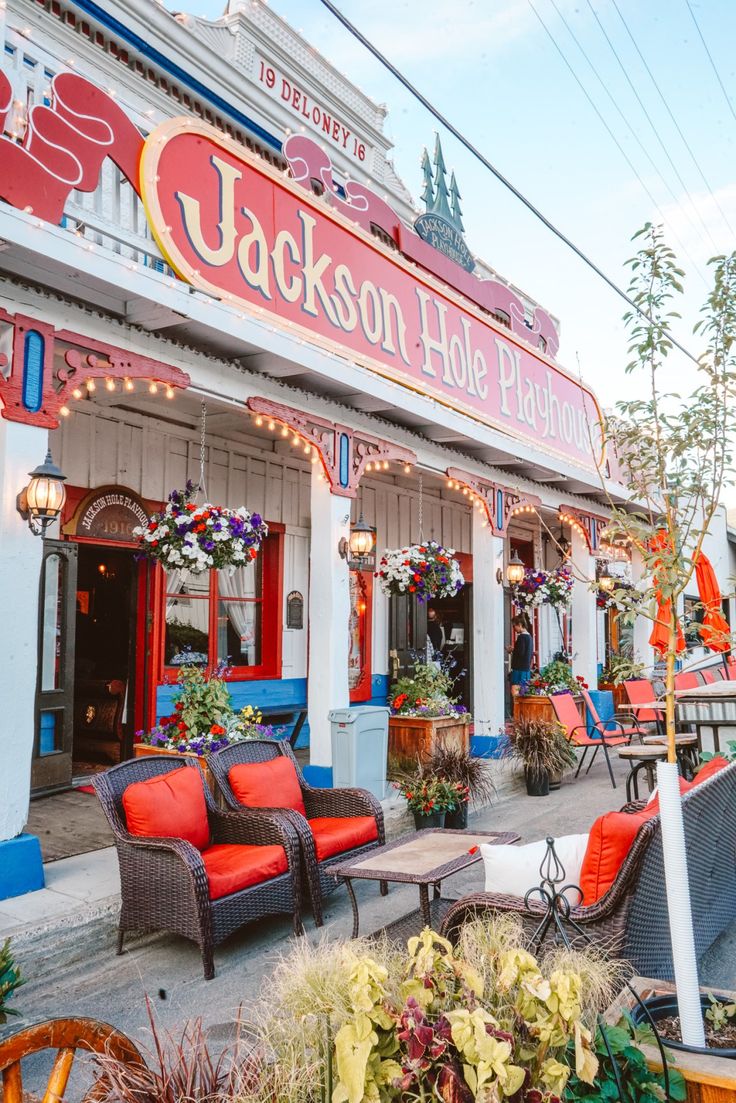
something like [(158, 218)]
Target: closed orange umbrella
[(715, 630), (659, 638)]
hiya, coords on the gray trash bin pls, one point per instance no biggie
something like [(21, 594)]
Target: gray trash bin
[(360, 748)]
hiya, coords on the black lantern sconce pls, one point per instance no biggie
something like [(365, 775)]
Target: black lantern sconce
[(360, 547), (41, 502)]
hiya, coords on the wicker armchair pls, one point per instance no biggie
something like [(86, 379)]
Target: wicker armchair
[(164, 885), (631, 920), (337, 803)]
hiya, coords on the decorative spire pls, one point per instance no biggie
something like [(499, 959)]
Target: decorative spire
[(440, 205), (428, 190), (455, 197)]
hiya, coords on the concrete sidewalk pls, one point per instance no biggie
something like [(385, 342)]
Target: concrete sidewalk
[(64, 935)]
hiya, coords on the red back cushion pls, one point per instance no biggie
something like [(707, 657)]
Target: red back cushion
[(712, 766), (170, 806), (609, 843), (272, 784)]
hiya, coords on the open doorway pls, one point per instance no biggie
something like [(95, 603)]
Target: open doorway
[(104, 667)]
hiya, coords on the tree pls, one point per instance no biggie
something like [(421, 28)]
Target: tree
[(455, 197), (428, 190), (675, 456)]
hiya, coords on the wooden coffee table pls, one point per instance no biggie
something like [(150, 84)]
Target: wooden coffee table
[(425, 858)]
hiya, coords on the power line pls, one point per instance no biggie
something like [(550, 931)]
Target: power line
[(713, 66), (677, 126), (472, 149), (610, 132), (649, 119)]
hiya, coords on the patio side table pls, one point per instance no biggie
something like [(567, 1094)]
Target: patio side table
[(424, 859)]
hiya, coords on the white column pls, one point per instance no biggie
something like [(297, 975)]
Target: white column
[(488, 652), (643, 626), (329, 612), (584, 644), (22, 447)]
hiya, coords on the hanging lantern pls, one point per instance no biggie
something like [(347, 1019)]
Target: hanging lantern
[(607, 582), (362, 539)]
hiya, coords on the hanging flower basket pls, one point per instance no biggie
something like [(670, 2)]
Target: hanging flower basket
[(427, 570), (187, 536), (544, 588)]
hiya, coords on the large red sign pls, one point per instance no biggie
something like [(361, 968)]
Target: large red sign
[(235, 228)]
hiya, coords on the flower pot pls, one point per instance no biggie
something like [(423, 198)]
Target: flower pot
[(140, 750), (537, 783), (540, 708), (662, 1007), (434, 819), (412, 736), (458, 818), (555, 780)]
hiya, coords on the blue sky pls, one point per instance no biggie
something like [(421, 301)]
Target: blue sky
[(493, 69)]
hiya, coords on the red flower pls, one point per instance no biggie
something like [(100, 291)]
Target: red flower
[(216, 729), (412, 589), (190, 506), (152, 525), (181, 726)]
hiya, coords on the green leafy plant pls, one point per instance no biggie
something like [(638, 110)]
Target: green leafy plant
[(720, 1014), (425, 795), (620, 668), (539, 745), (10, 980), (639, 1083), (729, 752), (426, 692)]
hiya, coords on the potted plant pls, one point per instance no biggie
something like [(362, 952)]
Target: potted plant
[(426, 570), (619, 669), (542, 749), (427, 798), (470, 776), (533, 701), (10, 981), (196, 538), (423, 712), (203, 719)]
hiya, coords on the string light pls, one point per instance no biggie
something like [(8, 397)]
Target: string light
[(77, 392), (259, 420), (169, 391), (64, 411), (284, 431), (153, 387), (90, 385), (128, 384), (110, 384)]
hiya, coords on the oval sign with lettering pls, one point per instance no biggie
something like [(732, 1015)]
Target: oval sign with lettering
[(109, 513), (234, 227)]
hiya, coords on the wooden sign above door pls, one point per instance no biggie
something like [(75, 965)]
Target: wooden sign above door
[(108, 513)]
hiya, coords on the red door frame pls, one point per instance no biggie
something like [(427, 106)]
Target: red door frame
[(363, 690)]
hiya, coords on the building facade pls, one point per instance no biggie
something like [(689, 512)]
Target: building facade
[(209, 267)]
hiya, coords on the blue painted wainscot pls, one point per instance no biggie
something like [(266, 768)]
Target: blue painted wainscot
[(21, 866)]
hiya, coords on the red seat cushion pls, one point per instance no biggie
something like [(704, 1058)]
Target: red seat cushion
[(712, 766), (169, 806), (336, 834), (609, 843), (273, 784), (231, 867)]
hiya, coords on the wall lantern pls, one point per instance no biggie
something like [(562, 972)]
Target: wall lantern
[(514, 570), (361, 543), (41, 502), (606, 581)]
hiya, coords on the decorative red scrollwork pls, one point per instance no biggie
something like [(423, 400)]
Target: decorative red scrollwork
[(591, 527), (345, 454), (64, 146), (499, 503)]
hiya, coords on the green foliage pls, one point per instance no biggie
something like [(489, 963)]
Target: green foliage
[(719, 1013), (204, 699), (427, 795), (640, 1084), (729, 753), (427, 691), (620, 668), (10, 980)]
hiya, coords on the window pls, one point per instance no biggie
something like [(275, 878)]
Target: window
[(222, 617)]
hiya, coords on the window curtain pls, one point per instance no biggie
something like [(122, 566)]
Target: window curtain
[(242, 616)]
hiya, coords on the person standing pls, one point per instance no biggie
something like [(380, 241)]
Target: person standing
[(521, 653), (435, 634)]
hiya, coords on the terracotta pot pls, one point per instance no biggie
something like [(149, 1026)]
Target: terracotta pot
[(140, 750)]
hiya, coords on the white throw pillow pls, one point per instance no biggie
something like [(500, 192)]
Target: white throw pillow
[(513, 870)]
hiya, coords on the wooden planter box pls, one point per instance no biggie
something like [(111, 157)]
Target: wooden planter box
[(410, 736), (140, 750), (709, 1079), (619, 694), (540, 709)]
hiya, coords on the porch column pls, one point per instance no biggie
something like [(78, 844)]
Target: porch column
[(584, 645), (488, 613), (22, 447), (329, 613), (643, 652)]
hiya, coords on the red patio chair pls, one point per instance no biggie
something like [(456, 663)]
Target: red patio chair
[(686, 680), (640, 691), (731, 668), (578, 733), (707, 677)]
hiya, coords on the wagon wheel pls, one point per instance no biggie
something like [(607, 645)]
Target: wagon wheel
[(66, 1036)]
